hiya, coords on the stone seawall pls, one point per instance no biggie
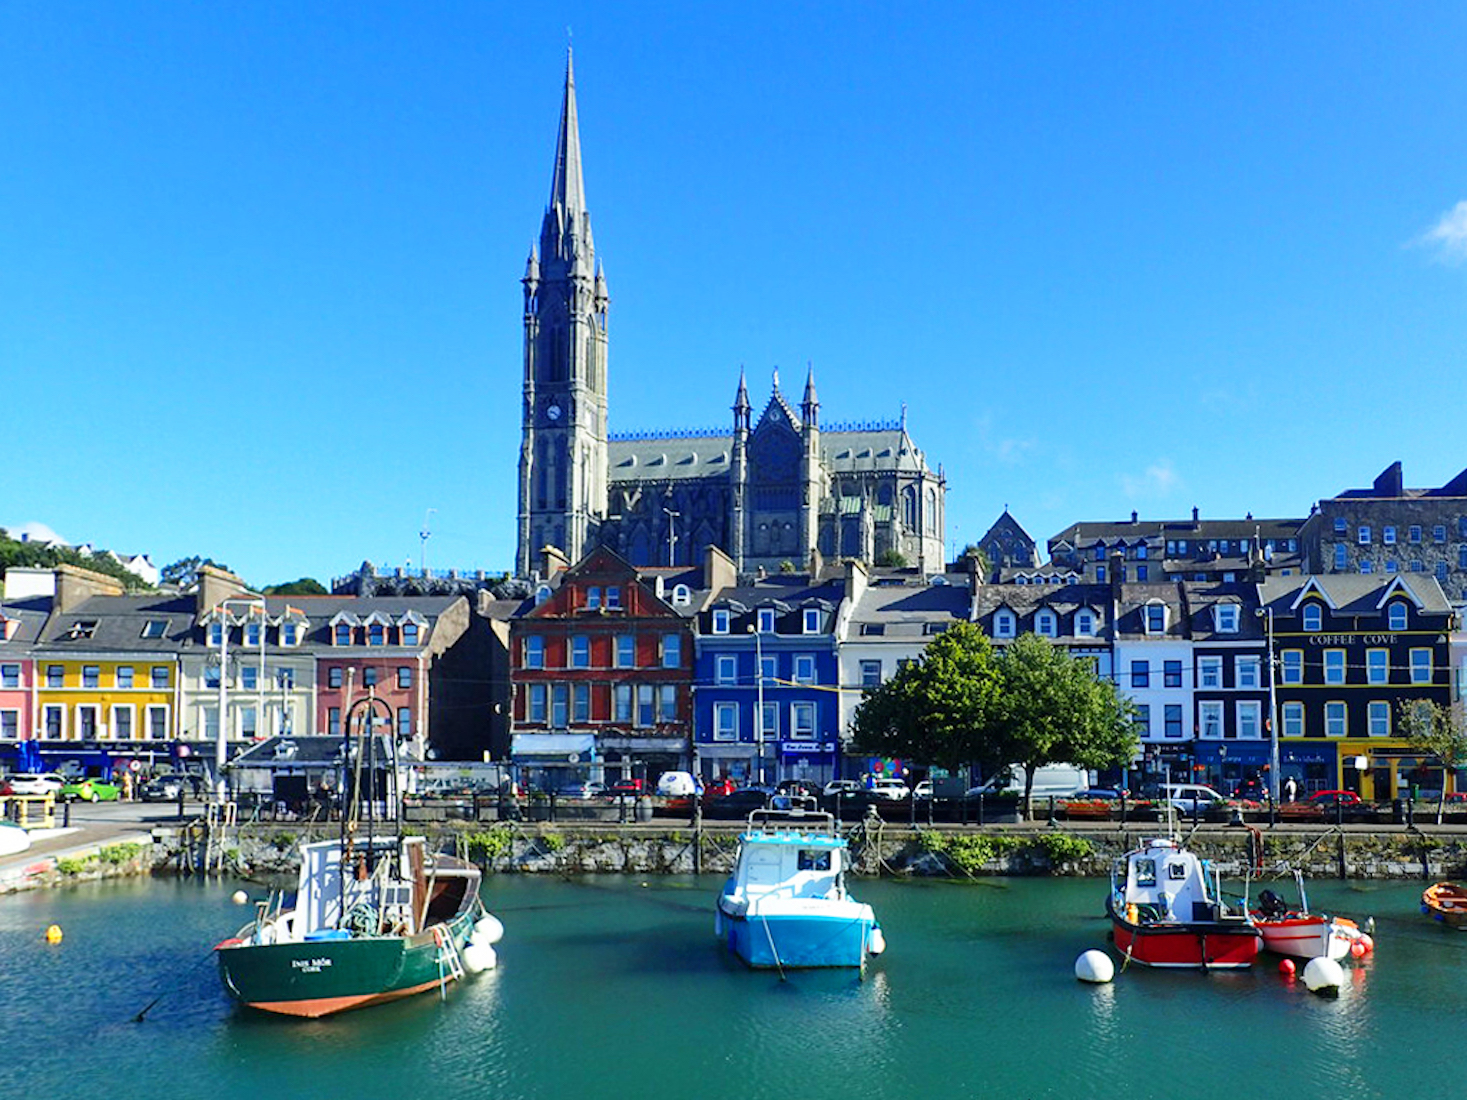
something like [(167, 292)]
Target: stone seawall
[(878, 849)]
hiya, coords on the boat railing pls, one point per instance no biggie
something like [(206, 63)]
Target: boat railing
[(793, 819)]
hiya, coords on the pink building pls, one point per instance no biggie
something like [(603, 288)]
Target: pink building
[(20, 626)]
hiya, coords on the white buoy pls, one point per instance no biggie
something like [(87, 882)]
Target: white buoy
[(1324, 976), (240, 897), (479, 957), (488, 930), (1095, 966), (877, 944)]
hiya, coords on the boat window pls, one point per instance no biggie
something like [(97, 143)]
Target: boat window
[(1176, 871), (814, 860), (1145, 872)]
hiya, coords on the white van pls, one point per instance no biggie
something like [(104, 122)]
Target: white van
[(678, 785), (1059, 780)]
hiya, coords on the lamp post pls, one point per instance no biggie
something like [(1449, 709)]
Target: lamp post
[(221, 732), (1273, 712), (671, 535), (758, 703)]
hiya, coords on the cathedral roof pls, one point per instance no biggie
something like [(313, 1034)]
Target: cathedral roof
[(680, 456)]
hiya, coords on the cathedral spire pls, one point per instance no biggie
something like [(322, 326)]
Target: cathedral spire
[(810, 406), (566, 188)]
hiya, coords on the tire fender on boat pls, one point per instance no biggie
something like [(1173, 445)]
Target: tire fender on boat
[(877, 943)]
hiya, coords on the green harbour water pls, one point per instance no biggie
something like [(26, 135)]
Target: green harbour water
[(615, 986)]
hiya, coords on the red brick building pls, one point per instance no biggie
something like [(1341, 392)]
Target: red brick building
[(601, 670)]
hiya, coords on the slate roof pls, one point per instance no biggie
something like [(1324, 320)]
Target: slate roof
[(1131, 620), (1111, 531), (678, 457), (906, 611), (1025, 599), (1200, 597), (1354, 593), (120, 623), (31, 614)]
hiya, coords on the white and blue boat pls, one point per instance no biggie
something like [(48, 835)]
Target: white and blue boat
[(786, 904)]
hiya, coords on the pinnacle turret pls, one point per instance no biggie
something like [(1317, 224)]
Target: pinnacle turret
[(810, 406)]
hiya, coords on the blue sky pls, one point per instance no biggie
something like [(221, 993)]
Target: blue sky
[(259, 263)]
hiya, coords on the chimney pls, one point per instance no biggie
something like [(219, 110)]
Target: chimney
[(216, 584), (74, 585), (552, 562), (719, 570), (1391, 482), (855, 579), (1117, 568), (1133, 515), (1194, 515)]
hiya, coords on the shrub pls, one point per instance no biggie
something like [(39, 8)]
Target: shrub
[(119, 853)]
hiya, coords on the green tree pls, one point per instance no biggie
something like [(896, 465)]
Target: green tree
[(892, 559), (1437, 730), (34, 555), (185, 571), (938, 709), (306, 586), (1054, 709)]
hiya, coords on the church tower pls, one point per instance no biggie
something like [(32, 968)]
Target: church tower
[(563, 460)]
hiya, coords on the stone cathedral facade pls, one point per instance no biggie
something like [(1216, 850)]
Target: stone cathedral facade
[(769, 491)]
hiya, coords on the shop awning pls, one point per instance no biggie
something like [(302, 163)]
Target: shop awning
[(569, 748)]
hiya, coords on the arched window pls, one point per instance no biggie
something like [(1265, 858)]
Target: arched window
[(1398, 615), (1313, 617)]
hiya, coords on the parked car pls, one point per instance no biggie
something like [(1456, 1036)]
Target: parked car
[(165, 788), (736, 806), (719, 788), (1328, 799), (678, 785), (34, 783), (1190, 797), (88, 790), (1096, 794), (890, 790), (625, 786), (922, 791), (588, 789), (842, 787)]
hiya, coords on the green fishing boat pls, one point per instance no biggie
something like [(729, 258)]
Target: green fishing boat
[(374, 917)]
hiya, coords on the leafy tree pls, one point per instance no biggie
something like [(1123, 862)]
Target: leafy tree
[(306, 586), (892, 559), (1437, 730), (984, 567), (937, 709), (185, 571), (36, 556), (1054, 709)]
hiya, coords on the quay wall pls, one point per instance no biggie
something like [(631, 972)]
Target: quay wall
[(878, 849)]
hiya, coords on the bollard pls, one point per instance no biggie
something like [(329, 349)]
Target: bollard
[(1051, 810), (66, 814), (1123, 805), (180, 801)]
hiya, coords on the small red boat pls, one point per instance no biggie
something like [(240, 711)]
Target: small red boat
[(1290, 930), (1446, 902), (1166, 913)]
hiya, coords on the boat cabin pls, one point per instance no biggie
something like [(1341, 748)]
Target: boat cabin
[(792, 859), (1164, 882)]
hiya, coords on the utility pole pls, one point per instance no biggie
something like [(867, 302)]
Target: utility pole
[(424, 535)]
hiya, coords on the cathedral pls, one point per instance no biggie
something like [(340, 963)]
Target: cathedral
[(769, 492)]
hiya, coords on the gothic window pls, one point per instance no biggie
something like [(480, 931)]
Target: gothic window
[(909, 507), (930, 518)]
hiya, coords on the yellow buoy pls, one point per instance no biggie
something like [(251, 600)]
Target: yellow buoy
[(53, 934)]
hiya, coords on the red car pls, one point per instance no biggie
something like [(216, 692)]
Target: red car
[(625, 786), (1327, 799), (720, 788)]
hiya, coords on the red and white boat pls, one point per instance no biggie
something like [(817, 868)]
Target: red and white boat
[(1166, 913), (1302, 934)]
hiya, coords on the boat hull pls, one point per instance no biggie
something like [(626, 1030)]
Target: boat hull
[(1311, 937), (798, 940), (322, 977), (1194, 945), (1446, 903)]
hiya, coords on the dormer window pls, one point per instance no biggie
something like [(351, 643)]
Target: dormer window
[(82, 628), (542, 593), (681, 596), (290, 634), (1225, 618), (410, 633), (720, 620), (613, 597), (812, 620), (1085, 623), (1156, 618), (216, 634), (341, 634), (1003, 623), (376, 633), (1312, 616), (252, 635), (1045, 623), (593, 598), (1397, 616), (155, 628), (766, 620)]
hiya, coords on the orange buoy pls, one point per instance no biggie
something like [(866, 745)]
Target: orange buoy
[(1357, 950)]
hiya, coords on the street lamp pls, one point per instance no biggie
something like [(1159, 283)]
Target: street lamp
[(1273, 709), (671, 535), (221, 736), (759, 702)]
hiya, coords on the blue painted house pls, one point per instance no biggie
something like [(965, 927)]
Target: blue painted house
[(766, 681)]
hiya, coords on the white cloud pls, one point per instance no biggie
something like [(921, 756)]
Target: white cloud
[(1009, 451), (1449, 235), (35, 532), (1159, 480)]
